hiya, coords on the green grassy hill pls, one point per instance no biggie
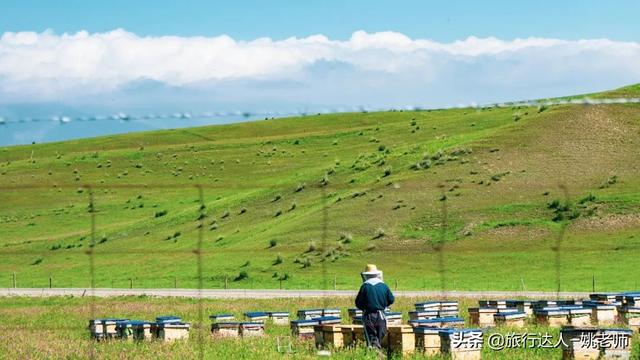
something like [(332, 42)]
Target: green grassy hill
[(465, 198)]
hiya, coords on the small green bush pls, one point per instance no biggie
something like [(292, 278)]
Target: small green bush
[(242, 275)]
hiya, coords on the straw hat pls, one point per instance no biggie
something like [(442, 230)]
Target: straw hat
[(371, 269)]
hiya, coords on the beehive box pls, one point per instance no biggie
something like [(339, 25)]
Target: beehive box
[(348, 335), (545, 303), (172, 331), (256, 316), (605, 298), (329, 336), (251, 329), (512, 319), (353, 312), (427, 340), (143, 331), (96, 330), (109, 327), (225, 318), (630, 299), (303, 328), (309, 314), (357, 320), (400, 339), (423, 315), (427, 305), (501, 304), (552, 316), (525, 306), (576, 343), (630, 316), (461, 344), (448, 322), (168, 319), (482, 316), (332, 312), (225, 329), (125, 329), (602, 314), (580, 317), (393, 318), (358, 334), (279, 317), (426, 323), (615, 343)]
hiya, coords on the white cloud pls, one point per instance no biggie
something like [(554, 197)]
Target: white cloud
[(368, 67)]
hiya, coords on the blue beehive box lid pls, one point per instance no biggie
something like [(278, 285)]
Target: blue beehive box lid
[(552, 312), (278, 313), (131, 323), (175, 324), (545, 303), (426, 330), (511, 315), (449, 332), (227, 324), (483, 309), (392, 314), (331, 310), (309, 311), (220, 316), (424, 312), (450, 319), (250, 324), (425, 322), (252, 314), (329, 320), (598, 305), (428, 304), (112, 320), (305, 322), (168, 319)]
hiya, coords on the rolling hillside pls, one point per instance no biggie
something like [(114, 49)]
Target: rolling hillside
[(467, 199)]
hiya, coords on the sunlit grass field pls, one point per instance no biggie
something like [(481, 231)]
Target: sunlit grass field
[(47, 328)]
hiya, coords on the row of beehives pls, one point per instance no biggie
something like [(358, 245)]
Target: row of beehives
[(165, 328), (406, 339), (466, 344), (435, 328), (600, 309)]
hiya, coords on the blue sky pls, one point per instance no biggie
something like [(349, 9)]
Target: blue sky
[(437, 20), (150, 59)]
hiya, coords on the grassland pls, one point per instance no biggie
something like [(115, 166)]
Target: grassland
[(56, 328), (468, 199)]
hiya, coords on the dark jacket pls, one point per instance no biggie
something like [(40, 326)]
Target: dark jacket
[(374, 295)]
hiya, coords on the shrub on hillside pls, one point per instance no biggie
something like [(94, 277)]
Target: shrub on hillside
[(242, 275), (380, 233)]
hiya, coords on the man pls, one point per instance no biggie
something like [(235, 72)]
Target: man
[(373, 298)]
